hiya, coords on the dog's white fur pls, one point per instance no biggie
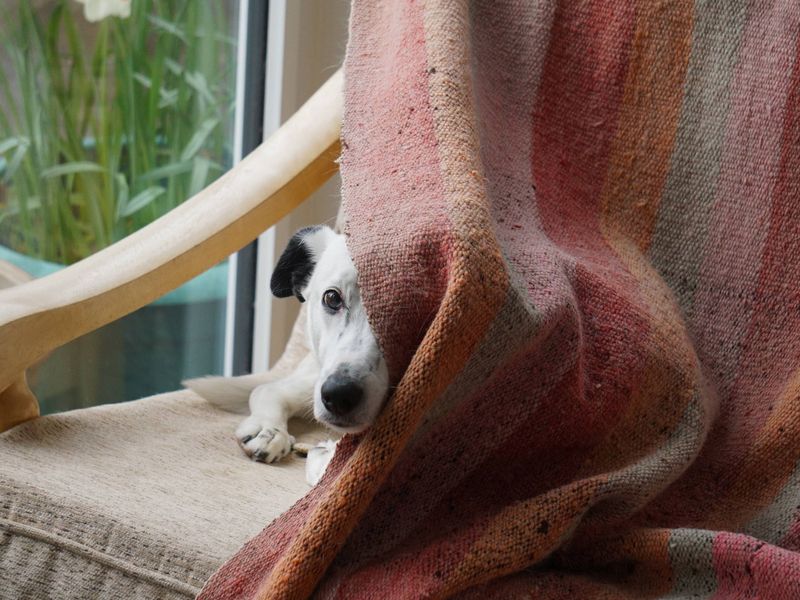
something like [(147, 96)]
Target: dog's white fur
[(341, 342)]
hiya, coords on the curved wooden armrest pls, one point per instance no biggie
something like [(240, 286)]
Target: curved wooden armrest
[(41, 315)]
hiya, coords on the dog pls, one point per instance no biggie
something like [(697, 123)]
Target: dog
[(343, 380)]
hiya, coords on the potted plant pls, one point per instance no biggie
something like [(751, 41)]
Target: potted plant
[(111, 114)]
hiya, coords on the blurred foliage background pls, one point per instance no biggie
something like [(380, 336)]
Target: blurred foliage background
[(106, 126)]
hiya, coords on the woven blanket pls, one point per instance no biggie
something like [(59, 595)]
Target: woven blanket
[(577, 229)]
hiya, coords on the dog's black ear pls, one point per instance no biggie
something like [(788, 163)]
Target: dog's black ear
[(297, 262)]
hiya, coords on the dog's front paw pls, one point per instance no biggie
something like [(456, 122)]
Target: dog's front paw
[(263, 441)]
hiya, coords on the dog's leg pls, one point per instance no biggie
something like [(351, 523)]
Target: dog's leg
[(264, 434), (317, 461)]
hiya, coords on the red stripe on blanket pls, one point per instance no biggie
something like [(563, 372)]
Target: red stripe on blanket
[(749, 568)]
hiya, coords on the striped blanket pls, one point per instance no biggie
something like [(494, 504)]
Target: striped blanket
[(577, 227)]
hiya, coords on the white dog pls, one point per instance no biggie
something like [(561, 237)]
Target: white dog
[(344, 378)]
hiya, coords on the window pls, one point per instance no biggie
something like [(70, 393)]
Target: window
[(111, 113), (114, 111)]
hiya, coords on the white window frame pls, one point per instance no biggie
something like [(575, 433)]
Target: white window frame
[(304, 43), (266, 241)]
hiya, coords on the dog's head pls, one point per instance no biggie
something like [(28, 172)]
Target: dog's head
[(316, 268)]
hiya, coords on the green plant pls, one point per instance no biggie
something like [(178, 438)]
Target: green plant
[(104, 128)]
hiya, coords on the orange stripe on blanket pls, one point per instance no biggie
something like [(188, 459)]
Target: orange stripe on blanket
[(650, 418), (523, 534), (639, 161), (766, 466), (648, 121)]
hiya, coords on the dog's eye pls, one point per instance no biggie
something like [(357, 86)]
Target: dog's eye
[(332, 300)]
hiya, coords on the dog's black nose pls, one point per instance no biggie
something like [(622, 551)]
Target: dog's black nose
[(341, 394)]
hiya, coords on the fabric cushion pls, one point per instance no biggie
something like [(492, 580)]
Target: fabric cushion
[(143, 499)]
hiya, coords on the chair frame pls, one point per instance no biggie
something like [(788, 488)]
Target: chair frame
[(41, 315)]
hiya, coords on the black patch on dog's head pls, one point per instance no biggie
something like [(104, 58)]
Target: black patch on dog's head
[(294, 267)]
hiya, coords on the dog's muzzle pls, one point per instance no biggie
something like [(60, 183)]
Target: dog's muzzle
[(341, 394)]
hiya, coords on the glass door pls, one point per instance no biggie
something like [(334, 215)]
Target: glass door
[(112, 113)]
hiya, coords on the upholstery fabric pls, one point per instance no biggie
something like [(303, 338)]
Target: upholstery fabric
[(577, 229), (143, 499)]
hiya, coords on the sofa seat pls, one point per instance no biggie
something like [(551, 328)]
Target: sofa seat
[(142, 499)]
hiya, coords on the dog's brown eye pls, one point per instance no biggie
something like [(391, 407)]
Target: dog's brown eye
[(332, 300)]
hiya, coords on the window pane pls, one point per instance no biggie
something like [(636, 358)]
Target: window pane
[(112, 113)]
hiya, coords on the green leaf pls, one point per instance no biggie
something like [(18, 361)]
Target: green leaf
[(16, 160), (167, 26), (199, 175), (142, 199), (13, 207), (166, 171), (12, 142), (218, 37), (167, 97), (71, 168), (199, 137), (198, 81), (144, 80), (122, 195), (173, 66)]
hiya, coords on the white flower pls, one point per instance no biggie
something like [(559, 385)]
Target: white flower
[(97, 10)]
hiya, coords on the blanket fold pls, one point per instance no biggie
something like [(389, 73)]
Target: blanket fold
[(577, 230)]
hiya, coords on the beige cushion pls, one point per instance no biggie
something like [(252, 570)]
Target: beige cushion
[(142, 499)]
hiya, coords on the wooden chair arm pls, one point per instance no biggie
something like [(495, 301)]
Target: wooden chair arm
[(41, 315)]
